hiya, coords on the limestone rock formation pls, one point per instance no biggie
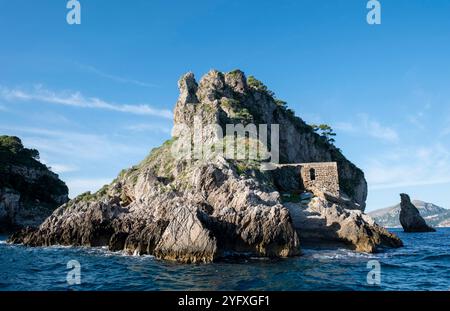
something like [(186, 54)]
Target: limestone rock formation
[(206, 212), (325, 220), (29, 191), (202, 209), (410, 218), (224, 98)]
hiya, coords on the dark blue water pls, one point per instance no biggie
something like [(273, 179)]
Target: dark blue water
[(423, 264)]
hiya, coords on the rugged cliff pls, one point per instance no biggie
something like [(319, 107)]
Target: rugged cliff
[(29, 191), (188, 212), (224, 98), (202, 209)]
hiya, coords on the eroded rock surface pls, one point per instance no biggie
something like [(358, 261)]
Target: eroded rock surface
[(328, 221), (192, 210), (224, 98), (208, 213)]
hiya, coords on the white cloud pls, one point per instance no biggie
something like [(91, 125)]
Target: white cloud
[(115, 78), (364, 125), (144, 127), (59, 168), (377, 130), (80, 185), (73, 144), (49, 117), (425, 165), (84, 153), (76, 99), (418, 119), (344, 127), (62, 168)]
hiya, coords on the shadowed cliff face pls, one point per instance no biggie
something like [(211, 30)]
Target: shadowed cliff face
[(227, 98), (410, 218), (29, 191), (192, 210)]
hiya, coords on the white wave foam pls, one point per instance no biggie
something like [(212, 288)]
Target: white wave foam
[(337, 254), (58, 247)]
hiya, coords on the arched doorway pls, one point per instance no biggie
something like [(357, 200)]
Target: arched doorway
[(312, 174)]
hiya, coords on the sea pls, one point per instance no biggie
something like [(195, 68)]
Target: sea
[(423, 264)]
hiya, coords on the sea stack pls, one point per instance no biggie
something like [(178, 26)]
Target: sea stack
[(410, 218)]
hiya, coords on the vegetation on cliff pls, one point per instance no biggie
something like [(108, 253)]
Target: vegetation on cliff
[(12, 152), (199, 210), (29, 191), (14, 157)]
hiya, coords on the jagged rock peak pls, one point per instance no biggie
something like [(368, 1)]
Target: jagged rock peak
[(188, 88), (410, 218), (232, 98), (213, 85), (237, 81)]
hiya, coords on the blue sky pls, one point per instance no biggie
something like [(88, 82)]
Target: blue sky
[(95, 98)]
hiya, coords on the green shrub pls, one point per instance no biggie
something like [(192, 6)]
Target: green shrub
[(280, 103), (13, 152), (325, 131), (229, 103), (244, 115), (255, 83)]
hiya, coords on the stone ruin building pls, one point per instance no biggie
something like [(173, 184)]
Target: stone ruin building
[(322, 176)]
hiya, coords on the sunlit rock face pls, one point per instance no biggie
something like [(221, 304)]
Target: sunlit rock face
[(190, 210)]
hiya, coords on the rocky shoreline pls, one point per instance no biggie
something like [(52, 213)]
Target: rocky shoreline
[(194, 211), (325, 220), (226, 214)]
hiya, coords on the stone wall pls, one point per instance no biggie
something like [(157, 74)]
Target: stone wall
[(306, 176), (323, 176)]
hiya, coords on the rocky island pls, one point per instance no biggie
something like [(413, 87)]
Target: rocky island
[(29, 191), (190, 210), (410, 218)]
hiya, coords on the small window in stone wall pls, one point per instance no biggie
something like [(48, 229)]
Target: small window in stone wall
[(312, 174)]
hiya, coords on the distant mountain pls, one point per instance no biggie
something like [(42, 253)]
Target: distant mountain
[(434, 215)]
